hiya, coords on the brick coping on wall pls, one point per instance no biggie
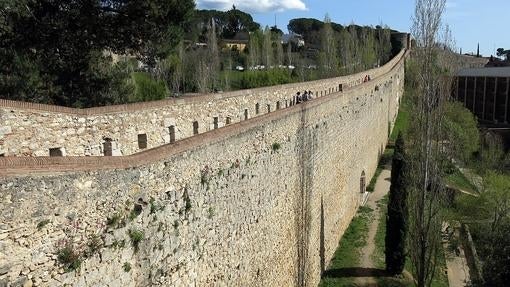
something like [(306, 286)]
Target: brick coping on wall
[(195, 98), (10, 166)]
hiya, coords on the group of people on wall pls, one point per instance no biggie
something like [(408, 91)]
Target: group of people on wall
[(306, 96)]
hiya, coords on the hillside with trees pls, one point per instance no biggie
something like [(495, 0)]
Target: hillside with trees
[(54, 51), (95, 53)]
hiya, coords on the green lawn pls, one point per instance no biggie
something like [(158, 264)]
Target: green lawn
[(349, 249), (402, 122), (459, 181), (467, 208), (378, 257)]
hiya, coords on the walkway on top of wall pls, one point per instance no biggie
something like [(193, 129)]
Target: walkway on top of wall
[(10, 166), (191, 98)]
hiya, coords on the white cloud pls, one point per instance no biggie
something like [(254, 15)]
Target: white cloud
[(253, 6)]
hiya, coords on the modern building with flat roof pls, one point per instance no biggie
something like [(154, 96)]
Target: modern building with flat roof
[(485, 92)]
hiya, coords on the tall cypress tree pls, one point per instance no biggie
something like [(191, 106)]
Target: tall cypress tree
[(396, 219)]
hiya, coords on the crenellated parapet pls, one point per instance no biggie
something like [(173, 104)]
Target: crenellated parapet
[(36, 130)]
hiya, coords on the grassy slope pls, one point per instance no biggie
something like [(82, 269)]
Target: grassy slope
[(403, 117), (349, 249), (378, 256), (458, 180)]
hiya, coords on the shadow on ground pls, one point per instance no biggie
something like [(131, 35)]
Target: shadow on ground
[(355, 272)]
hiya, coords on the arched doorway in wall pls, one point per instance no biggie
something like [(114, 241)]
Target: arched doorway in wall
[(362, 183)]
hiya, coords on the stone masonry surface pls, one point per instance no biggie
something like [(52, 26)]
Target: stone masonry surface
[(262, 202), (33, 129)]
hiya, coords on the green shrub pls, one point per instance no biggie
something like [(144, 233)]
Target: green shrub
[(276, 146), (127, 266), (255, 79), (136, 237), (69, 258), (147, 88)]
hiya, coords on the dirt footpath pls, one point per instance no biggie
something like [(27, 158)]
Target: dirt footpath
[(382, 187)]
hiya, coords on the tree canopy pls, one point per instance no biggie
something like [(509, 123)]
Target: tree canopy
[(461, 131), (54, 50), (228, 23), (396, 219), (501, 52), (89, 53)]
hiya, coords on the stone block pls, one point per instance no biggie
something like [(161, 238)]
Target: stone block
[(5, 268), (5, 130)]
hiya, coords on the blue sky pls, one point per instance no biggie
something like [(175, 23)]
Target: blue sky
[(471, 21)]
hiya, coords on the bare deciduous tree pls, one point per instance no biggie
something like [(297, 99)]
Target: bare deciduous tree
[(289, 53), (178, 75), (427, 190), (329, 55), (254, 49), (267, 51), (202, 76), (279, 51), (213, 57), (227, 66)]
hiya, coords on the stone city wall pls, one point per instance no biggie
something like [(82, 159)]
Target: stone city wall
[(262, 202), (28, 129)]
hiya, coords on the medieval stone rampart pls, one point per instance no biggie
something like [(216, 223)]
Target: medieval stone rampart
[(260, 202), (28, 129)]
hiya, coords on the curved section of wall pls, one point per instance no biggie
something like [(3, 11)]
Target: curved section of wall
[(263, 202), (28, 129)]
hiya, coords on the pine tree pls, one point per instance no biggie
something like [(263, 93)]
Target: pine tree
[(396, 220)]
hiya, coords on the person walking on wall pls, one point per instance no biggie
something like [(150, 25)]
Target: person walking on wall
[(305, 96)]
